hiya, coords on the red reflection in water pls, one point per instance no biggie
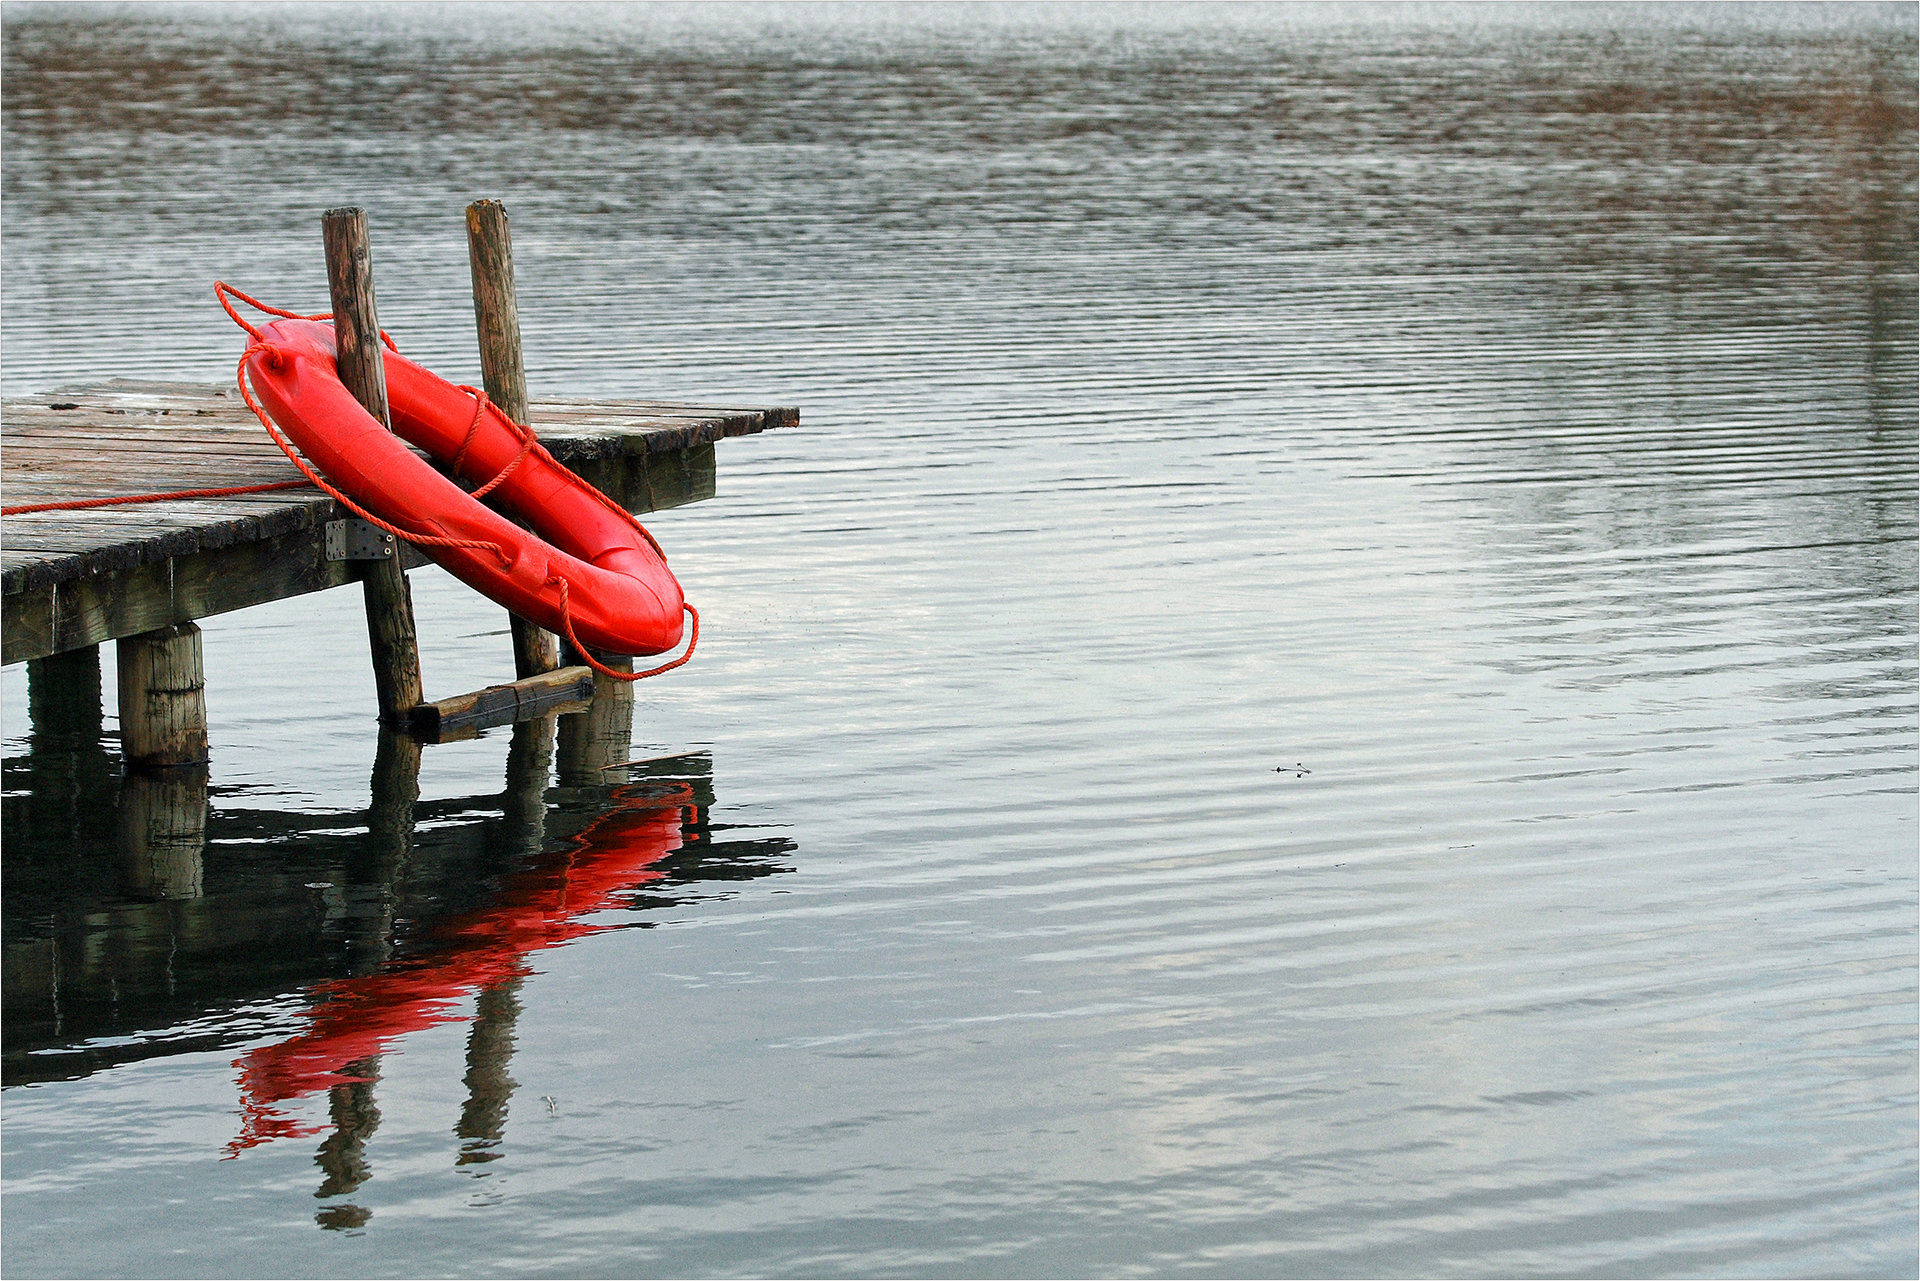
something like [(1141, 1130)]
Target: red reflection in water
[(354, 1018)]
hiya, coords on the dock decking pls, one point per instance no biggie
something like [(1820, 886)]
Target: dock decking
[(71, 579)]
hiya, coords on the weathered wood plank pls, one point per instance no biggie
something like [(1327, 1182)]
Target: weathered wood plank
[(104, 605), (544, 693), (47, 547), (92, 543)]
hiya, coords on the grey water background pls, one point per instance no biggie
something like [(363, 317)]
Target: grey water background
[(1333, 661)]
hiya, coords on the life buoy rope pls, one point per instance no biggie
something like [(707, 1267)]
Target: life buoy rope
[(82, 504)]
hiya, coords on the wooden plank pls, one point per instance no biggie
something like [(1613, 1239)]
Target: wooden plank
[(539, 695), (56, 547), (93, 542), (653, 482)]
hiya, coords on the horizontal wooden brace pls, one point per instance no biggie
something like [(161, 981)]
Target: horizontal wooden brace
[(464, 715)]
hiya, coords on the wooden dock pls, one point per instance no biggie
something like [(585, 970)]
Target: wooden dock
[(72, 579)]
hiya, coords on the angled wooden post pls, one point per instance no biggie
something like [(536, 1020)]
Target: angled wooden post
[(496, 313), (356, 328)]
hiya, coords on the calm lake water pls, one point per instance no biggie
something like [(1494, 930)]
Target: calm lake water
[(1327, 687)]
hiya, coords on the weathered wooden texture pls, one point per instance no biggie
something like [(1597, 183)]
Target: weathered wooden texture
[(496, 312), (496, 317), (565, 689), (391, 635), (75, 578), (356, 316), (163, 703)]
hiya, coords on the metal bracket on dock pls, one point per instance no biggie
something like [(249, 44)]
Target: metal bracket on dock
[(355, 539)]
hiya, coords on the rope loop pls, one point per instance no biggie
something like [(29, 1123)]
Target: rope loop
[(566, 622), (221, 289)]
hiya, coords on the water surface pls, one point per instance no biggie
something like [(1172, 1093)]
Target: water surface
[(1327, 687)]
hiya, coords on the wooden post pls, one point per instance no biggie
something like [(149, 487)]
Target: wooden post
[(63, 695), (356, 319), (356, 328), (163, 704), (70, 780), (503, 372)]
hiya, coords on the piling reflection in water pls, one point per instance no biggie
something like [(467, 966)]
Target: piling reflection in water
[(201, 916), (483, 951)]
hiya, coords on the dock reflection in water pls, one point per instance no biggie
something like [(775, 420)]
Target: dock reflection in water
[(216, 926)]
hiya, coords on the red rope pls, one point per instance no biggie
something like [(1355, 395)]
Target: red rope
[(527, 440), (221, 289), (566, 623), (78, 504)]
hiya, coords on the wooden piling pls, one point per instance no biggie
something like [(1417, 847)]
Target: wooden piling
[(356, 327), (163, 706), (70, 779), (356, 318), (63, 695), (503, 372)]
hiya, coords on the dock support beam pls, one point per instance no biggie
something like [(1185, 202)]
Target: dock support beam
[(163, 702), (503, 372), (356, 327)]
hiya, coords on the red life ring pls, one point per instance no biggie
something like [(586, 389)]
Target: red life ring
[(587, 569)]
